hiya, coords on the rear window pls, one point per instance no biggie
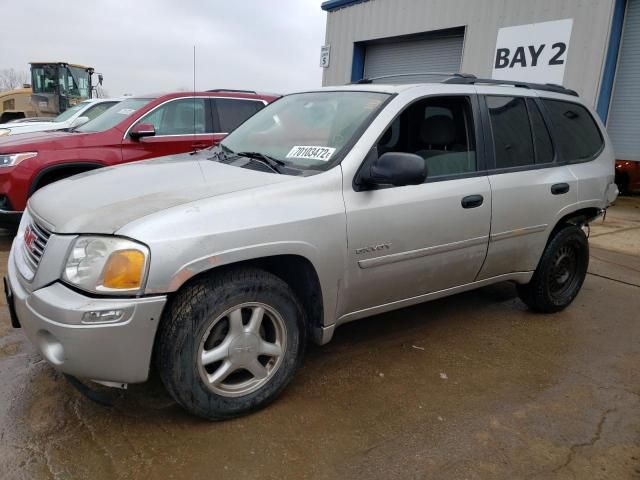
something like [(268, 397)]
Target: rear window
[(577, 135), (232, 112), (511, 131)]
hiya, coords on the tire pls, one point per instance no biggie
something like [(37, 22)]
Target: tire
[(560, 272), (212, 342)]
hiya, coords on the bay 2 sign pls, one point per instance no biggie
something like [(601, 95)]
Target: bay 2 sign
[(534, 53)]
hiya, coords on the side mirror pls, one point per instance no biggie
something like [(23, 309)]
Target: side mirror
[(142, 130), (79, 121), (396, 168)]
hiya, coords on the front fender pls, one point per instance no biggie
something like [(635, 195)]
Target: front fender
[(242, 254)]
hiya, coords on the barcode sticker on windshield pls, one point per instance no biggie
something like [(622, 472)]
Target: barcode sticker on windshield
[(312, 153)]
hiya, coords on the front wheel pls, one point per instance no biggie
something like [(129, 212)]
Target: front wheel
[(231, 343), (560, 273)]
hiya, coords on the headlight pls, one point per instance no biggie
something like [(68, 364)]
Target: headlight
[(4, 131), (108, 265), (12, 159)]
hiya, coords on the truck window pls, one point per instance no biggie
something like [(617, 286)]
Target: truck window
[(185, 116), (440, 130), (577, 135), (541, 137), (232, 112), (512, 139)]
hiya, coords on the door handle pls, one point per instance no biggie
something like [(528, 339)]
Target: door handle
[(472, 201), (199, 145), (560, 188)]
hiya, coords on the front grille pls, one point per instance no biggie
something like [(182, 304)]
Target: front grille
[(34, 242)]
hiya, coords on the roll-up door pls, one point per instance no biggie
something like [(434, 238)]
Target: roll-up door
[(624, 117), (436, 54)]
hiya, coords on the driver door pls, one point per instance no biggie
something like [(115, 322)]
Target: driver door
[(408, 241)]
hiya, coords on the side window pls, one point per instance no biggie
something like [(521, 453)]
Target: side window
[(440, 130), (233, 112), (576, 132), (541, 138), (512, 138), (97, 110), (179, 117)]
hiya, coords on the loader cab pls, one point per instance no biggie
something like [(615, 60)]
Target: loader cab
[(57, 86)]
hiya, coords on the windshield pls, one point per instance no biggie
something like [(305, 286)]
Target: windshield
[(114, 115), (70, 112), (306, 130)]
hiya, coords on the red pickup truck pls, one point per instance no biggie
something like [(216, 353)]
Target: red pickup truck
[(137, 128)]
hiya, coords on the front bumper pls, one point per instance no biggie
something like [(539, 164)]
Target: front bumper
[(117, 352)]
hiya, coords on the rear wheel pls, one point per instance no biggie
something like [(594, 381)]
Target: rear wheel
[(231, 343), (560, 273)]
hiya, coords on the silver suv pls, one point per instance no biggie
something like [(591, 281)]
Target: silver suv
[(325, 207)]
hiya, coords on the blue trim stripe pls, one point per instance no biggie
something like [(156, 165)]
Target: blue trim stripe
[(357, 65), (611, 60), (335, 4)]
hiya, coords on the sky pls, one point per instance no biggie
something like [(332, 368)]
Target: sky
[(146, 46)]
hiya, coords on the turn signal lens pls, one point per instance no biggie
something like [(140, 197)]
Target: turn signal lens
[(124, 270)]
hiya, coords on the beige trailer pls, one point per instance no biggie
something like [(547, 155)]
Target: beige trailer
[(16, 104)]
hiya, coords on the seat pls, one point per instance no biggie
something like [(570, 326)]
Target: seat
[(443, 157)]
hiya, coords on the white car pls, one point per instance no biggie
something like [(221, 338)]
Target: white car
[(72, 117)]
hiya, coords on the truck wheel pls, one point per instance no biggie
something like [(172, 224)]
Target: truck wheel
[(560, 273), (230, 343)]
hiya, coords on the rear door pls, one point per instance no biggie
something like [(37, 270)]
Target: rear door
[(182, 125), (531, 186)]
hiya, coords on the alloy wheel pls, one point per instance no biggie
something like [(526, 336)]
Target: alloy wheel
[(242, 349)]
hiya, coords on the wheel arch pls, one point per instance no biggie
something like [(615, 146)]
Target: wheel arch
[(578, 217), (294, 269), (41, 178)]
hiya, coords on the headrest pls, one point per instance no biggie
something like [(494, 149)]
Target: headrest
[(438, 130)]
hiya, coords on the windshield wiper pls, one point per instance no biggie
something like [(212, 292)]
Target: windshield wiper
[(271, 162)]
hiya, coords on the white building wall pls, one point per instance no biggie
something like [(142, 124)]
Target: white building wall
[(375, 19)]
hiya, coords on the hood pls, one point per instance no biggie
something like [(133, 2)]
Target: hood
[(104, 200), (32, 141), (29, 127)]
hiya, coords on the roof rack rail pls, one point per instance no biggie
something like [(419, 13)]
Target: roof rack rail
[(438, 74), (232, 90), (547, 87)]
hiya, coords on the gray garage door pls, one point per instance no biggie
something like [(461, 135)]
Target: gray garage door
[(443, 54), (624, 118)]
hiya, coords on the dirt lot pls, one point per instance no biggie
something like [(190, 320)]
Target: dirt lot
[(468, 387)]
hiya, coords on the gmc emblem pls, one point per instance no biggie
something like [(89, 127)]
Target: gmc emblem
[(29, 238)]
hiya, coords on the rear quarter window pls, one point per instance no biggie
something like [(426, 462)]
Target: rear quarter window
[(576, 133)]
